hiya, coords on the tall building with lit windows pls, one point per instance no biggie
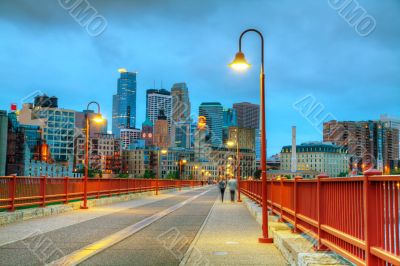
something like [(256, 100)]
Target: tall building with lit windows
[(213, 112), (248, 115), (157, 100), (124, 102), (180, 102)]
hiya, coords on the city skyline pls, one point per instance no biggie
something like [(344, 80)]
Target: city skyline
[(325, 60)]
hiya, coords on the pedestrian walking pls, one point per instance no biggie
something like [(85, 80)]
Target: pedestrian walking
[(222, 186), (232, 185)]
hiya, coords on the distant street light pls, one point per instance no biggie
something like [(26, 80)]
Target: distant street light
[(240, 64), (181, 163), (98, 118), (232, 144), (160, 152)]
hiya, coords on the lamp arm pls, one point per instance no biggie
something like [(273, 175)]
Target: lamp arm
[(262, 44), (94, 102)]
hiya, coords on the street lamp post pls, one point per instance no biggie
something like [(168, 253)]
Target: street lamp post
[(160, 152), (237, 162), (240, 64), (181, 163), (98, 119)]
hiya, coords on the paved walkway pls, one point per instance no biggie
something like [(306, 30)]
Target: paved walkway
[(229, 237)]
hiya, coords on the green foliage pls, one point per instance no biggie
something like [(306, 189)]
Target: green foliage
[(173, 175), (91, 172), (395, 172), (123, 175), (149, 174), (257, 174), (343, 174)]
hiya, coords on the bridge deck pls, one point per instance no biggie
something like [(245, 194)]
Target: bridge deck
[(152, 231)]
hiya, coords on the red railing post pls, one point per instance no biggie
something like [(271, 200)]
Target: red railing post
[(281, 199), (157, 186), (12, 187), (296, 179), (320, 206), (370, 221), (98, 188), (43, 181), (119, 186), (272, 195), (66, 189)]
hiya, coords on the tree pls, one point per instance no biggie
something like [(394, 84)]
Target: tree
[(343, 174), (149, 174), (122, 175), (173, 175), (396, 172), (257, 174)]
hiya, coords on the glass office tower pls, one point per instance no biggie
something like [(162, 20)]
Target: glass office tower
[(124, 103)]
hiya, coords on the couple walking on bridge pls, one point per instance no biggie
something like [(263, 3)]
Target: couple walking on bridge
[(232, 185)]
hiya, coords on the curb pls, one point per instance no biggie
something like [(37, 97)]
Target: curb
[(296, 248)]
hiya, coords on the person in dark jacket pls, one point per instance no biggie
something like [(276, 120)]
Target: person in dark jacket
[(222, 186)]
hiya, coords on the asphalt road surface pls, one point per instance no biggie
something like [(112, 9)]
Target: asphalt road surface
[(158, 233)]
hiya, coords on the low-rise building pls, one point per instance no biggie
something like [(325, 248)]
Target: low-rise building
[(104, 153), (322, 157), (226, 159)]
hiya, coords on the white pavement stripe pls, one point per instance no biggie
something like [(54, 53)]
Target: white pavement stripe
[(196, 238), (83, 254)]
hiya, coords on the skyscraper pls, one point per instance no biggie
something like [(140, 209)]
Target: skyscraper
[(213, 112), (180, 102), (124, 102), (157, 100), (229, 120), (181, 121), (248, 115), (230, 117)]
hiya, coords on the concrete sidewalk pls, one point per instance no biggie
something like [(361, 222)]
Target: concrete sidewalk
[(230, 237)]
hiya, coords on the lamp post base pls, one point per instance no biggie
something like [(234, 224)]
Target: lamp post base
[(84, 207), (265, 240)]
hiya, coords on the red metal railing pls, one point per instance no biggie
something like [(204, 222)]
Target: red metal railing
[(356, 217), (39, 191)]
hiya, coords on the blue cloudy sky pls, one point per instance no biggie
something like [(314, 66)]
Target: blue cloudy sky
[(311, 51)]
